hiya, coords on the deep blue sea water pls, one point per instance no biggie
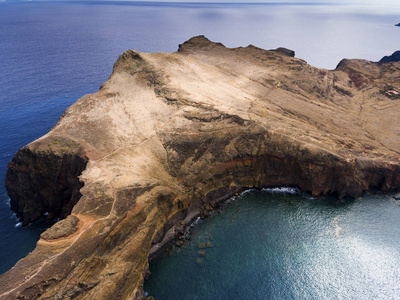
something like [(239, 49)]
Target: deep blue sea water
[(52, 53)]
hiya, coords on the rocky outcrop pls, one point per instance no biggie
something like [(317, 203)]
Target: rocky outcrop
[(61, 229), (45, 182), (391, 58), (171, 135)]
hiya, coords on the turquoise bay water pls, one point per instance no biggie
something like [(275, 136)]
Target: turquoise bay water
[(286, 245), (52, 53)]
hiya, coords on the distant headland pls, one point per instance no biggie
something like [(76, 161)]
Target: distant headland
[(391, 58), (170, 135)]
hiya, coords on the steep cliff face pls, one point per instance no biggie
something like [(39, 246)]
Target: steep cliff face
[(169, 136), (40, 182)]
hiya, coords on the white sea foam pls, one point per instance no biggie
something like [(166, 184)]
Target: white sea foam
[(247, 191), (8, 202), (234, 198), (12, 215), (282, 190), (231, 199), (19, 224), (197, 221)]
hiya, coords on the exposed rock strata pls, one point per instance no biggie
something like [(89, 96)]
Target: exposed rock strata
[(168, 136)]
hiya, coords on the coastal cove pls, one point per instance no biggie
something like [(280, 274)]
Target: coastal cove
[(282, 244), (160, 144)]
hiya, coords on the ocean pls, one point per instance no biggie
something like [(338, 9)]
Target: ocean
[(281, 244), (52, 53)]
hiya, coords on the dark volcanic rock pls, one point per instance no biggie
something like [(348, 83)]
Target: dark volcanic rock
[(171, 135), (285, 51), (394, 57), (44, 182)]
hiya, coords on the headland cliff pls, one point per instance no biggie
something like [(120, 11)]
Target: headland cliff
[(170, 135)]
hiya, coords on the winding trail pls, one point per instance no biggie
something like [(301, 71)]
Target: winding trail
[(85, 223)]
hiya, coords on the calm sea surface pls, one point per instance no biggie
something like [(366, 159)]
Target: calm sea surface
[(53, 53), (278, 244)]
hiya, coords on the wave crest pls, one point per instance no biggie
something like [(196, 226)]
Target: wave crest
[(282, 190)]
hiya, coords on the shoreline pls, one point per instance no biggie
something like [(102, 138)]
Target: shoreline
[(195, 213), (178, 232), (343, 220)]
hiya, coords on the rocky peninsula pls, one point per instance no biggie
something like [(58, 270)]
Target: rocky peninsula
[(170, 135)]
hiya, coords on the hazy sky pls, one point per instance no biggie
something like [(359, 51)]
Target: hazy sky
[(377, 2), (381, 3), (393, 3)]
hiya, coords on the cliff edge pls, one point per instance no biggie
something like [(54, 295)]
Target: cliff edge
[(169, 135)]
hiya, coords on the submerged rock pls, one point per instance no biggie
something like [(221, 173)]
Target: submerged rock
[(170, 135), (201, 245), (199, 261)]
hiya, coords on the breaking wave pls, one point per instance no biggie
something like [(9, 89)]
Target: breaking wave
[(282, 190)]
